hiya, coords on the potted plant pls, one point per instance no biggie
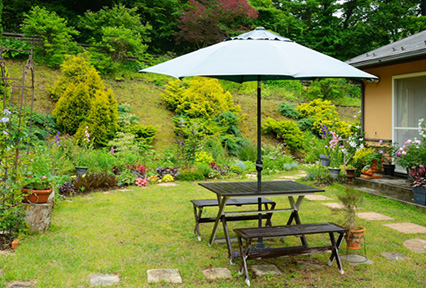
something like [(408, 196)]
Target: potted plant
[(336, 155), (350, 201), (418, 175), (388, 152), (38, 180)]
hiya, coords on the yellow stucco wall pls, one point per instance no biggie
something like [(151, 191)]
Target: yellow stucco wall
[(378, 98)]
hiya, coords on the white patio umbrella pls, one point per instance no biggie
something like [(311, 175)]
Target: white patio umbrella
[(255, 56)]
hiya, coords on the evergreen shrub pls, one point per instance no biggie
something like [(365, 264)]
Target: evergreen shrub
[(287, 131)]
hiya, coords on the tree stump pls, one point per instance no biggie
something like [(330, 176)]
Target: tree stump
[(38, 216)]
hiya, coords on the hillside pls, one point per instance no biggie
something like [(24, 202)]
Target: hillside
[(143, 95)]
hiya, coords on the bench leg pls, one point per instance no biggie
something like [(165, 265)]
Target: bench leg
[(197, 221), (244, 254), (295, 216), (335, 251)]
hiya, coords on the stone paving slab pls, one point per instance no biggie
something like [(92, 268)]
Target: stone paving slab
[(20, 284), (395, 256), (356, 259), (317, 197), (217, 273), (407, 227), (104, 279), (264, 270), (334, 205), (166, 275), (416, 245), (373, 216), (168, 184)]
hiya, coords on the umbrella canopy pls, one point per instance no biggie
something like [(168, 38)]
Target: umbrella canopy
[(258, 53), (255, 56)]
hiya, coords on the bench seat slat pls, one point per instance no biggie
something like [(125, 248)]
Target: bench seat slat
[(289, 230), (288, 251)]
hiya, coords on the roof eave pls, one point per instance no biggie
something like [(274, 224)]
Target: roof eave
[(389, 59)]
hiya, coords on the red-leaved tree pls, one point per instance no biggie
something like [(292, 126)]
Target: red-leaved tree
[(206, 22)]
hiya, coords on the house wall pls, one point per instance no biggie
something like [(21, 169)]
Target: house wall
[(378, 98)]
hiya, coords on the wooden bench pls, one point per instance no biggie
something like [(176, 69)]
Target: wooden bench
[(200, 204), (249, 234)]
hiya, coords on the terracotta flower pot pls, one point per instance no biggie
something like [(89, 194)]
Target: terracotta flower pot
[(354, 237), (36, 196)]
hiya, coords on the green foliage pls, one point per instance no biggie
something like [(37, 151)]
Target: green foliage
[(361, 156), (203, 157), (146, 134), (84, 102), (306, 124), (288, 110), (168, 178), (247, 152), (324, 113), (229, 120), (18, 45), (172, 95), (330, 89), (287, 131), (350, 200), (116, 31), (236, 169), (56, 35), (205, 98), (191, 175)]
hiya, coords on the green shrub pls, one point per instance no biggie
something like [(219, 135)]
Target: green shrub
[(146, 134), (285, 130), (92, 181), (306, 124), (172, 95), (57, 36), (236, 169), (84, 102), (248, 152), (191, 175), (250, 166), (324, 113), (204, 169), (330, 89), (288, 110), (203, 157), (205, 98)]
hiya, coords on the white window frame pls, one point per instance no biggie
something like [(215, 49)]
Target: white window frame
[(397, 77)]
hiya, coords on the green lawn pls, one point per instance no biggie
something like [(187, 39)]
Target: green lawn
[(132, 230)]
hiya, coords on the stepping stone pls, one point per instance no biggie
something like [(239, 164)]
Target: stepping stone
[(104, 279), (416, 245), (317, 197), (372, 216), (168, 184), (265, 270), (356, 259), (407, 227), (20, 284), (334, 205), (7, 252), (394, 256), (251, 175), (217, 273), (166, 275)]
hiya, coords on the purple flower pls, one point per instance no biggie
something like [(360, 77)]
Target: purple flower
[(5, 132), (4, 120), (6, 112), (112, 150)]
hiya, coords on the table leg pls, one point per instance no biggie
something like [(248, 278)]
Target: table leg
[(295, 206), (222, 204), (227, 239)]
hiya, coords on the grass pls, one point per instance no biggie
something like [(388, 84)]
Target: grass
[(132, 230)]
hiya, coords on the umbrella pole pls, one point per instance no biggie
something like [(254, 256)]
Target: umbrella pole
[(259, 163)]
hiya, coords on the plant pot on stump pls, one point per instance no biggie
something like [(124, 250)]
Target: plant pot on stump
[(81, 170), (325, 160), (389, 169), (36, 196), (354, 237), (334, 172), (419, 195)]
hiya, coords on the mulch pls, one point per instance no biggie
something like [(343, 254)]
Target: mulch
[(5, 242)]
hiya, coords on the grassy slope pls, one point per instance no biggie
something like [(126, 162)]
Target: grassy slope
[(145, 99)]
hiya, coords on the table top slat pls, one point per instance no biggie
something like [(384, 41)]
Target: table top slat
[(237, 189)]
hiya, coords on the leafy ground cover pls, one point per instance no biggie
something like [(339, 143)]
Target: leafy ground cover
[(131, 230)]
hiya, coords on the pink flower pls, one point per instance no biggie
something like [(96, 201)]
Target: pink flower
[(44, 177), (404, 153), (399, 153), (112, 150), (408, 141), (381, 141)]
